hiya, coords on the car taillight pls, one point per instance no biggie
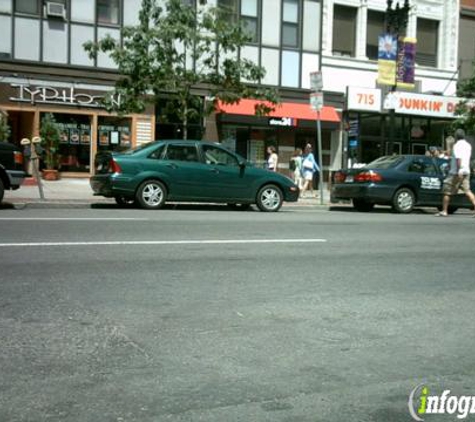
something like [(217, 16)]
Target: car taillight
[(339, 177), (114, 167), (18, 158), (368, 176)]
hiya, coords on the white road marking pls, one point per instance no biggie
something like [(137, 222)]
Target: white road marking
[(164, 242), (71, 219)]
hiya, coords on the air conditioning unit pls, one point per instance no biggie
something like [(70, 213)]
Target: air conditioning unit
[(55, 10)]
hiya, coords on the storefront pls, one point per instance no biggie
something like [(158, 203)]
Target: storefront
[(419, 122), (290, 126), (85, 127)]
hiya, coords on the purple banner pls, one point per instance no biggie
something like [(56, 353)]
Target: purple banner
[(406, 58)]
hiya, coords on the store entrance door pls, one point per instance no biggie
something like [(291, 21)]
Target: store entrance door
[(22, 126)]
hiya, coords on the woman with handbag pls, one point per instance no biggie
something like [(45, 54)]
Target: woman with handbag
[(309, 168)]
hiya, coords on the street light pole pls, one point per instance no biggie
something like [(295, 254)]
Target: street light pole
[(396, 23)]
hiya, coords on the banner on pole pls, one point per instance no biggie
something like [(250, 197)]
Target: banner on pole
[(387, 59), (406, 63)]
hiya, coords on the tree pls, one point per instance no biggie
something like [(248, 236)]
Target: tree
[(4, 127), (466, 108), (173, 51), (50, 139)]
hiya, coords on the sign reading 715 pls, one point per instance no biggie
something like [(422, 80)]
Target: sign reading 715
[(368, 99)]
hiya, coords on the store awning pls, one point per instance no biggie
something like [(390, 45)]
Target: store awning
[(285, 109)]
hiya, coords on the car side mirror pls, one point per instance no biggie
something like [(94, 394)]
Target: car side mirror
[(242, 163)]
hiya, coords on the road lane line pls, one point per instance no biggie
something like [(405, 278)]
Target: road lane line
[(164, 242), (71, 219)]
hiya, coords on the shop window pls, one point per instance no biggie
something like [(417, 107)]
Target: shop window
[(374, 29), (113, 134), (427, 35), (290, 23), (108, 11), (31, 7), (344, 30)]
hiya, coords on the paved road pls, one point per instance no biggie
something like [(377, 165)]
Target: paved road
[(209, 315)]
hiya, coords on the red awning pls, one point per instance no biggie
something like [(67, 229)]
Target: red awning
[(293, 110)]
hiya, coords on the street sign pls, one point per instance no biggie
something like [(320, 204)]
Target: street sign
[(316, 101), (316, 81)]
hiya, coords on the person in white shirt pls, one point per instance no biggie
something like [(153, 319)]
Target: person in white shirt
[(459, 174), (273, 159)]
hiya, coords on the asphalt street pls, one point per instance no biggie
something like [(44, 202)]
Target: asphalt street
[(205, 314)]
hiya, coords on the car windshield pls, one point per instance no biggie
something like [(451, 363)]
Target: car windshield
[(385, 162)]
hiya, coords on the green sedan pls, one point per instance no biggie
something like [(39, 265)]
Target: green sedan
[(188, 171)]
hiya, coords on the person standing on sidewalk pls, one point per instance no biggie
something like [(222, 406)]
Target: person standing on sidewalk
[(273, 159), (309, 168), (295, 166), (459, 173)]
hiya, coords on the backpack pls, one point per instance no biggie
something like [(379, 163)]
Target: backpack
[(292, 165)]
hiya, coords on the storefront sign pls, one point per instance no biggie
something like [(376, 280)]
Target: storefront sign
[(58, 96), (425, 105), (282, 121), (365, 99)]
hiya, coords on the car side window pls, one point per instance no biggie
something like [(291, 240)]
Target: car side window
[(218, 156), (419, 165), (181, 153), (158, 153)]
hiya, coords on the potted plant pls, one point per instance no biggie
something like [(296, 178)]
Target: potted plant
[(50, 137)]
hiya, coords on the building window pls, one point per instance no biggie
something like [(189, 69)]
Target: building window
[(31, 7), (108, 11), (427, 34), (374, 30), (344, 30), (290, 23), (249, 19), (229, 10)]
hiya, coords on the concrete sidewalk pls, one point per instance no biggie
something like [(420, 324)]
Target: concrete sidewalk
[(77, 192)]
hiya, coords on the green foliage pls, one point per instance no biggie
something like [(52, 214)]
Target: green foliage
[(50, 138), (4, 127), (466, 109), (173, 52)]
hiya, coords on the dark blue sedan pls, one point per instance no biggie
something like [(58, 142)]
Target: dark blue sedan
[(400, 181)]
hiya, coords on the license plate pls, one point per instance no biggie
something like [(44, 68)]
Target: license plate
[(349, 179)]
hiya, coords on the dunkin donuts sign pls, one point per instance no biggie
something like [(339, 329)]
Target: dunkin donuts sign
[(425, 105)]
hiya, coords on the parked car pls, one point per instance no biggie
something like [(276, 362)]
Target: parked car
[(401, 181), (191, 171), (12, 173)]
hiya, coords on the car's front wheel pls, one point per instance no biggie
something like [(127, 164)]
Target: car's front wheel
[(404, 201), (269, 198), (151, 195), (362, 206)]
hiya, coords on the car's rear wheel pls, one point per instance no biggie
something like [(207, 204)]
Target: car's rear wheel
[(269, 198), (2, 190), (404, 201), (151, 195), (362, 205), (239, 207), (123, 200)]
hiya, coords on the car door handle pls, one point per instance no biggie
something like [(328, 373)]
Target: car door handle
[(214, 170), (172, 166)]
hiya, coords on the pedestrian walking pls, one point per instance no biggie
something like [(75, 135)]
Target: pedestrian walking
[(459, 173), (295, 167), (273, 159), (309, 168)]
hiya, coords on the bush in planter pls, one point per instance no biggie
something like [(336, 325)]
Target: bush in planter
[(50, 137)]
